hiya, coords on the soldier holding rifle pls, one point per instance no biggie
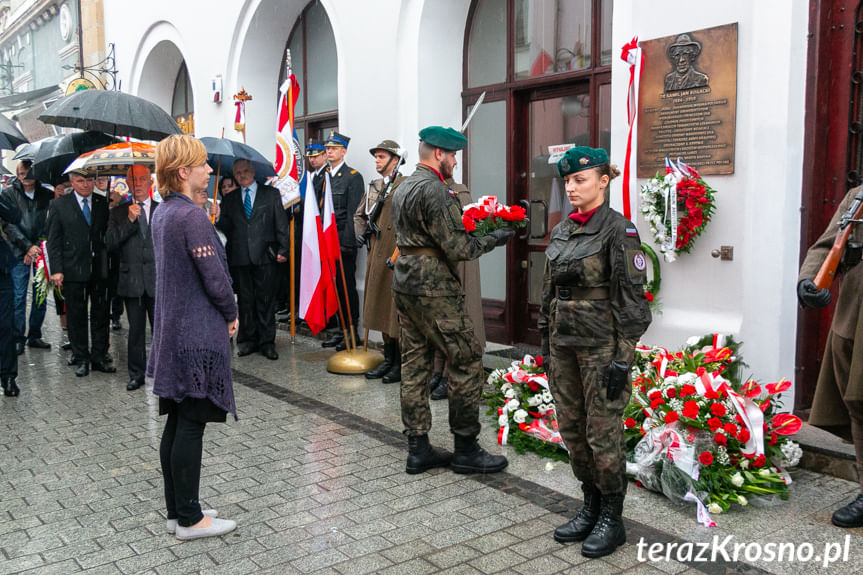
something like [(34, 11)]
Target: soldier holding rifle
[(373, 225), (838, 403)]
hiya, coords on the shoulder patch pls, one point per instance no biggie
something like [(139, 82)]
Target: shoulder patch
[(631, 233), (452, 193)]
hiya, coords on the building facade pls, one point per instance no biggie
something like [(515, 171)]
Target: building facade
[(551, 74)]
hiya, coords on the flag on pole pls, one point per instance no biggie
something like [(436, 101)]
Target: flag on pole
[(288, 164), (317, 292), (330, 231), (240, 116)]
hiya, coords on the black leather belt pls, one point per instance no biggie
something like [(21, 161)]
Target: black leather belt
[(422, 251), (567, 293)]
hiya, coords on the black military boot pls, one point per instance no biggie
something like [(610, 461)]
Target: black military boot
[(422, 456), (387, 364), (434, 381), (469, 457), (851, 515), (10, 387), (608, 534), (394, 375), (580, 526), (441, 391)]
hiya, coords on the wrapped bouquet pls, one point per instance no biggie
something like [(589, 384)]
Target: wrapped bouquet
[(488, 214)]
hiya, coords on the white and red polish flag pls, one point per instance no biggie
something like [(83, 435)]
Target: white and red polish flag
[(317, 291), (288, 165), (330, 231)]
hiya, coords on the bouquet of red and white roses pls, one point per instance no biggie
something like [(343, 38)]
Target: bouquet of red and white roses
[(488, 214), (695, 432)]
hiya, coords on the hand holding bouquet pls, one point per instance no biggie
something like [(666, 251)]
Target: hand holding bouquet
[(487, 215)]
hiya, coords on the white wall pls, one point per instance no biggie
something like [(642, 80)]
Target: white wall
[(753, 296)]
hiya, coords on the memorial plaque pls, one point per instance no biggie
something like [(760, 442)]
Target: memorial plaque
[(688, 100)]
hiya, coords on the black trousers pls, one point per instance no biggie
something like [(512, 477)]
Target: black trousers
[(180, 454), (256, 290), (349, 260), (77, 295), (8, 357), (138, 309)]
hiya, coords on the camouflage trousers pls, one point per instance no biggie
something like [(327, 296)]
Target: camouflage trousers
[(439, 323), (590, 424)]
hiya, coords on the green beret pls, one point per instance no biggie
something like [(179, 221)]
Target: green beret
[(581, 158), (443, 138)]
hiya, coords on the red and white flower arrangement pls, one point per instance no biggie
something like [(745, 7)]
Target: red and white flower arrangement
[(41, 274), (677, 206), (695, 432), (487, 214)]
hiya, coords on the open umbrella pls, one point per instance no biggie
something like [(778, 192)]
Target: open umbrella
[(222, 152), (111, 112), (114, 160), (54, 154), (10, 136)]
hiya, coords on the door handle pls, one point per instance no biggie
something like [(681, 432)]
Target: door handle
[(526, 233), (544, 220)]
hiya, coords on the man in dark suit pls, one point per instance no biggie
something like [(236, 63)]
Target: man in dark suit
[(9, 214), (79, 261), (129, 238), (256, 226), (348, 189)]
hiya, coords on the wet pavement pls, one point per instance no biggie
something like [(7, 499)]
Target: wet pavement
[(313, 473)]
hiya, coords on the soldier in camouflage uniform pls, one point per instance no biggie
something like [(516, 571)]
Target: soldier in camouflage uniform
[(593, 312), (430, 301)]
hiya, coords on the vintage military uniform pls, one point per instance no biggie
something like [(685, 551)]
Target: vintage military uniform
[(838, 402), (593, 312)]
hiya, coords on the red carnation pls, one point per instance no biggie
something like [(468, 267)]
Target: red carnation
[(656, 403), (671, 393), (730, 429), (705, 458), (714, 423), (539, 361), (511, 214), (690, 409), (468, 222), (718, 409), (534, 386), (629, 422), (654, 394), (773, 439), (648, 296), (711, 394), (687, 390), (720, 439), (759, 461), (743, 436), (671, 417), (476, 213)]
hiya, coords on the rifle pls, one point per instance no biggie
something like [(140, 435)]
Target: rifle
[(838, 254), (375, 213)]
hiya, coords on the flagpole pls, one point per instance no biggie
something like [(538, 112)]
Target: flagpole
[(292, 280)]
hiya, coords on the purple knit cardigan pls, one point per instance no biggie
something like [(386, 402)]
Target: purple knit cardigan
[(191, 351)]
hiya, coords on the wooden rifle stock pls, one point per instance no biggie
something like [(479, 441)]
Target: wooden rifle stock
[(827, 272)]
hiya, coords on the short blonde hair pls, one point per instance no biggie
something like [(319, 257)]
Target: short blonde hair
[(175, 152)]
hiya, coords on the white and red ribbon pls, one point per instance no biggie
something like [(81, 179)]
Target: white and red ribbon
[(240, 116), (701, 512), (633, 55)]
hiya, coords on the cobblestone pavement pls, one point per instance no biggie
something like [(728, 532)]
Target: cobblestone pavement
[(313, 472)]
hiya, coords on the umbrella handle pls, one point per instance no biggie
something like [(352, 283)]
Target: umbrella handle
[(216, 188)]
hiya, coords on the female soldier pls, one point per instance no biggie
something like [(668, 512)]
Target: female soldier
[(593, 312)]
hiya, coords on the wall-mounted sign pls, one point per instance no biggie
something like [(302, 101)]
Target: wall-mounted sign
[(80, 84), (688, 101)]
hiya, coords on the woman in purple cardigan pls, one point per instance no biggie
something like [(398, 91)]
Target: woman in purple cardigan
[(195, 317)]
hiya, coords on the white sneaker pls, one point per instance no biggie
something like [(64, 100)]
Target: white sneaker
[(171, 524), (217, 527)]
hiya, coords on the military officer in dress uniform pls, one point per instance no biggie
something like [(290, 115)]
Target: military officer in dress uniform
[(593, 312), (430, 301), (347, 185), (838, 403), (379, 310)]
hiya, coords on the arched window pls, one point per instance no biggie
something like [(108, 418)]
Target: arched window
[(545, 67), (182, 101), (314, 63)]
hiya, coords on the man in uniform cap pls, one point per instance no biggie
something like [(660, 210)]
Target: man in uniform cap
[(430, 301), (347, 185), (379, 310), (316, 154)]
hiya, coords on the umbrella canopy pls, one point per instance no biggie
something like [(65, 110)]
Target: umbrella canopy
[(114, 160), (54, 154), (224, 152), (10, 136), (111, 112)]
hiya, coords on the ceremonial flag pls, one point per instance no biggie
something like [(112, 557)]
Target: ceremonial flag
[(240, 116), (330, 231), (289, 166), (317, 292)]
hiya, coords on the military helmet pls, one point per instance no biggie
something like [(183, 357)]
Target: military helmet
[(390, 146)]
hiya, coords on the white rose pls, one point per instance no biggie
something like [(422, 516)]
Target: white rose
[(737, 479), (714, 508), (744, 463), (657, 220), (512, 404), (764, 473), (534, 400), (519, 416), (742, 500), (502, 420), (510, 393)]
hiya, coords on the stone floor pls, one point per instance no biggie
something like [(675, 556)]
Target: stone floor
[(313, 472)]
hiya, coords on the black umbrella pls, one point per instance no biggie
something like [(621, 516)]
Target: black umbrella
[(111, 112), (53, 155), (222, 152), (10, 136)]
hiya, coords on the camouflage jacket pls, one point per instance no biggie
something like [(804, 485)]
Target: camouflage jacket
[(427, 214), (604, 253)]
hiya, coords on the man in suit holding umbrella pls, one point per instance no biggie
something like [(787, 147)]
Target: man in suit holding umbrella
[(129, 237), (256, 226)]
